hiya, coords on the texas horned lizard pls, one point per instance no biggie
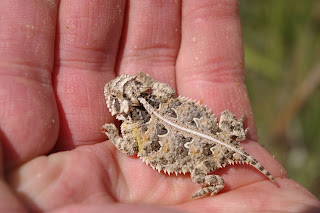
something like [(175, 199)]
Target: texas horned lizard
[(174, 134)]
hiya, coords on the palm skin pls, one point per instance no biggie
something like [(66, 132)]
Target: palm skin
[(55, 58)]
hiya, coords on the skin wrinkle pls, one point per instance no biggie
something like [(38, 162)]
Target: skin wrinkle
[(121, 181), (227, 76), (211, 10), (70, 48), (94, 67), (103, 56), (42, 80), (159, 49), (29, 70), (110, 171)]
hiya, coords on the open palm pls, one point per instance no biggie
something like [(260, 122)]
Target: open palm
[(56, 56)]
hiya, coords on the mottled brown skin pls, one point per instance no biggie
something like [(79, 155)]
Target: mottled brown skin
[(174, 135)]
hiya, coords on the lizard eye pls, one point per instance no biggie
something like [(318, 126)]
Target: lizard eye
[(116, 104)]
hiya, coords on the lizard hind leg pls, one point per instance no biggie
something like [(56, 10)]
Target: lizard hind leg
[(210, 183)]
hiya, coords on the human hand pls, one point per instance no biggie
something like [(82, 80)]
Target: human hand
[(55, 58)]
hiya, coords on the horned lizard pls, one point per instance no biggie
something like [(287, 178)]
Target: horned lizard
[(174, 134)]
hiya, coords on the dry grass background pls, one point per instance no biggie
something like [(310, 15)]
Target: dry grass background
[(282, 60)]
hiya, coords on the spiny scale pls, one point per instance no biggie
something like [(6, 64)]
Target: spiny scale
[(178, 137)]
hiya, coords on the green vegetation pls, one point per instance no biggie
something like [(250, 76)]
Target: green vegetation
[(282, 59)]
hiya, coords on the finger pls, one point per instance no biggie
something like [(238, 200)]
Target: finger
[(89, 32), (151, 39), (259, 197), (150, 44), (28, 113), (210, 69), (210, 61)]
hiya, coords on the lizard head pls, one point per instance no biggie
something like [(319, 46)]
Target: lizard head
[(122, 95)]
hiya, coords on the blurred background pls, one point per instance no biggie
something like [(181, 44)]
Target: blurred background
[(282, 61)]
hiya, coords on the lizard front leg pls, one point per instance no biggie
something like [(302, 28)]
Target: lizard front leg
[(127, 144)]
